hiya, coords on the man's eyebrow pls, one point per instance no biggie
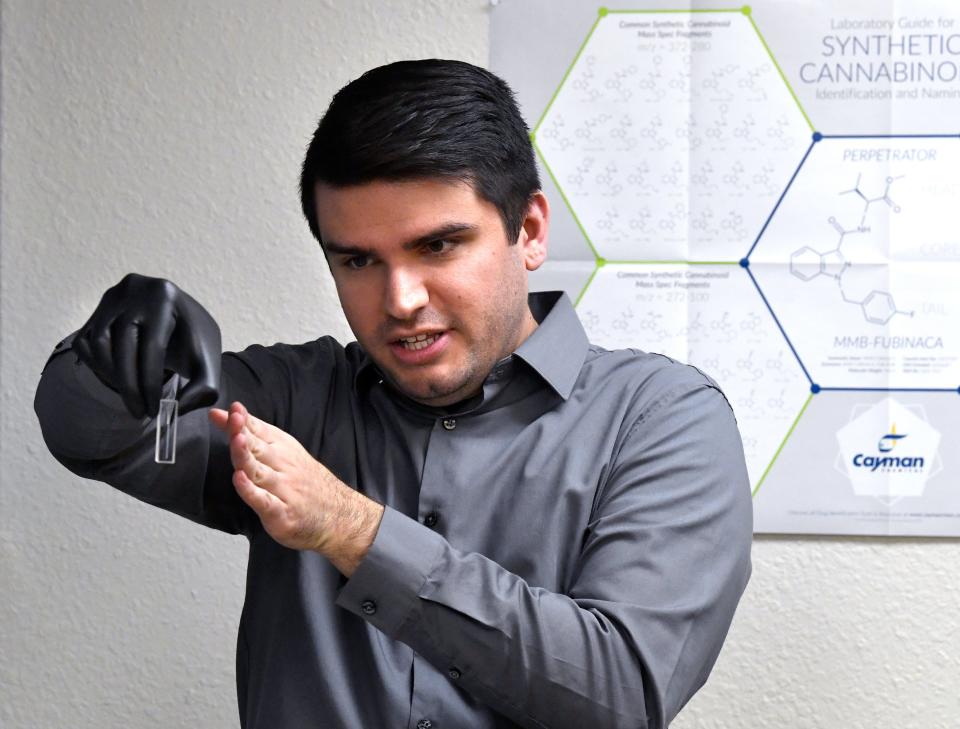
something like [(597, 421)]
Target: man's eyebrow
[(339, 248), (443, 231)]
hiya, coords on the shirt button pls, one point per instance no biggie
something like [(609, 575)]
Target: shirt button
[(449, 423), (431, 519), (453, 673), (369, 607), (424, 724)]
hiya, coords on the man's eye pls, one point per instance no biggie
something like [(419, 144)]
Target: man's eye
[(356, 262), (439, 246)]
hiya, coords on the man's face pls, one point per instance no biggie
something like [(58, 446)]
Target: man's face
[(428, 283)]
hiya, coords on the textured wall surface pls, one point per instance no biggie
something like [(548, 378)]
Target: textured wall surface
[(165, 137)]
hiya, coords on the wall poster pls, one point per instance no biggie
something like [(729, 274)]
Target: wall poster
[(771, 193)]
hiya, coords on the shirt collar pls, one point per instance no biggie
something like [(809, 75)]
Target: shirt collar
[(555, 350), (558, 347)]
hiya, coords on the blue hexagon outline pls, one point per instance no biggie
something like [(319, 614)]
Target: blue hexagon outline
[(816, 387)]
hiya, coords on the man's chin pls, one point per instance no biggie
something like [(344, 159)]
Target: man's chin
[(435, 393)]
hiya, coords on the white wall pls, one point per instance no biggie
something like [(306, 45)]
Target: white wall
[(165, 137)]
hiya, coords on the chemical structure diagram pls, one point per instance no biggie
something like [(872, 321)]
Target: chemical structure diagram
[(806, 263), (640, 124)]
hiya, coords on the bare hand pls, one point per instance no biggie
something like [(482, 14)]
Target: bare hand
[(295, 496)]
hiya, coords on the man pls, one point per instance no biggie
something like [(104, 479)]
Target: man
[(468, 518)]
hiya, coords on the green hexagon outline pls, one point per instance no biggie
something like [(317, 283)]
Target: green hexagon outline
[(602, 12), (776, 454), (600, 261)]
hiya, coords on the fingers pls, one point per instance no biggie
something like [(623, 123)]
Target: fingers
[(126, 353), (263, 431), (197, 346), (197, 394), (124, 343), (244, 459), (93, 344), (93, 347), (138, 365), (249, 453), (258, 499), (218, 417), (224, 419), (154, 335)]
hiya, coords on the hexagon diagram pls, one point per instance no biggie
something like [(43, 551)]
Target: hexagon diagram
[(859, 261), (680, 150), (708, 316), (672, 135)]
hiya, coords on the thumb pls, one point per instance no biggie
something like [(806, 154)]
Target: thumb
[(197, 394)]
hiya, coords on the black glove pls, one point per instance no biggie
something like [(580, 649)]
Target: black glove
[(143, 329)]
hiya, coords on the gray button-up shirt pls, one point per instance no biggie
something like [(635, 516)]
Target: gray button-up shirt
[(565, 549)]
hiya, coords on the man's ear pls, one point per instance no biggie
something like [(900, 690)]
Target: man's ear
[(533, 233)]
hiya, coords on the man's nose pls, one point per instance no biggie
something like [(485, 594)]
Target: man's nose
[(406, 293)]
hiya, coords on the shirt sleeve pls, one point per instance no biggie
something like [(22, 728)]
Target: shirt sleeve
[(664, 563), (88, 430)]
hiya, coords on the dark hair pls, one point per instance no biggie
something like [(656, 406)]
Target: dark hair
[(425, 119)]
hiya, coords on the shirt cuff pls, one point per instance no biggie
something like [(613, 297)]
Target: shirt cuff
[(383, 588)]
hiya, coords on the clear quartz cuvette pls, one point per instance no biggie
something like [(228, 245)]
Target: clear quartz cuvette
[(166, 449)]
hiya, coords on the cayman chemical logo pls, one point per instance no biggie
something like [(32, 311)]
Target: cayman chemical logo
[(889, 463), (888, 450)]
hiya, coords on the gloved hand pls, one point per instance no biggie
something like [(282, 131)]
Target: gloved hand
[(144, 328)]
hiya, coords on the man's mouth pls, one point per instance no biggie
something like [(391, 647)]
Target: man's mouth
[(421, 341)]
